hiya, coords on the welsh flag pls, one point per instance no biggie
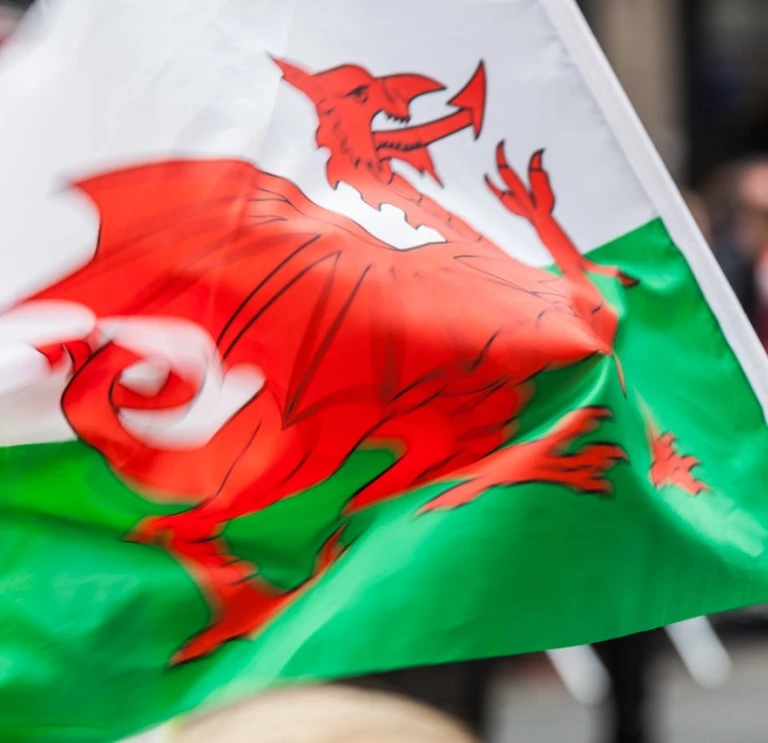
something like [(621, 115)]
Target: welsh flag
[(345, 337)]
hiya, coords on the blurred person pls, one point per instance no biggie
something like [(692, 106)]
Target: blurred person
[(461, 690), (456, 689), (10, 15), (738, 201), (324, 714), (630, 711)]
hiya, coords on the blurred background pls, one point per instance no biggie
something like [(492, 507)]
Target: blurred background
[(697, 74)]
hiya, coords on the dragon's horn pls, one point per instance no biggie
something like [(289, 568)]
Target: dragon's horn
[(299, 79)]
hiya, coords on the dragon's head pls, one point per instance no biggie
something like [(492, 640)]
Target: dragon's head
[(348, 99)]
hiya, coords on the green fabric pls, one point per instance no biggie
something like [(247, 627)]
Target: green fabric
[(88, 621)]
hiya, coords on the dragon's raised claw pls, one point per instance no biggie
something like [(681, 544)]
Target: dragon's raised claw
[(536, 203)]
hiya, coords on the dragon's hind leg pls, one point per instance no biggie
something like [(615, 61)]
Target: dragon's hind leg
[(240, 600), (547, 460), (444, 436)]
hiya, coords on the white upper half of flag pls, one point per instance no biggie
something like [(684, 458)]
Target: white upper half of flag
[(87, 87), (102, 85)]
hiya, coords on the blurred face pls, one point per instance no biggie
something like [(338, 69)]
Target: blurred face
[(9, 19), (751, 213)]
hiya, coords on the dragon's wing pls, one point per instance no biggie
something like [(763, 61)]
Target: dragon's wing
[(182, 236), (326, 310)]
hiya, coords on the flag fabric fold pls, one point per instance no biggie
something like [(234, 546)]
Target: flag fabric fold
[(342, 339)]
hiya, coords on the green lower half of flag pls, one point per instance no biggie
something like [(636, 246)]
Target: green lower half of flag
[(90, 620)]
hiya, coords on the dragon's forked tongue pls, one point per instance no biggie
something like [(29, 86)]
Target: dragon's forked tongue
[(409, 144)]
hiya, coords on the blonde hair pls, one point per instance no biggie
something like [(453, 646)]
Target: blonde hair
[(324, 714)]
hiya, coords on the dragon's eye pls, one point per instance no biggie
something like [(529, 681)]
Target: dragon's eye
[(360, 93)]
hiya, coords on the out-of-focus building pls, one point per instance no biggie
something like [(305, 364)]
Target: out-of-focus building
[(696, 71)]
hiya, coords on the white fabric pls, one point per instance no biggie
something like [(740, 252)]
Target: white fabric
[(87, 87)]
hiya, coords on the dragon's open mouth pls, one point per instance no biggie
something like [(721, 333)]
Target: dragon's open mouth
[(392, 139), (398, 146), (470, 102), (380, 134), (397, 119)]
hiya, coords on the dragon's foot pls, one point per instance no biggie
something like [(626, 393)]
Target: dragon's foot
[(242, 608), (668, 467), (585, 470), (615, 273), (241, 601), (545, 460)]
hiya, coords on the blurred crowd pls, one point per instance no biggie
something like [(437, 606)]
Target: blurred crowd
[(732, 211)]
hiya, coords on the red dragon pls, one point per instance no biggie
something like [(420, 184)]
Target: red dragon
[(430, 351)]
